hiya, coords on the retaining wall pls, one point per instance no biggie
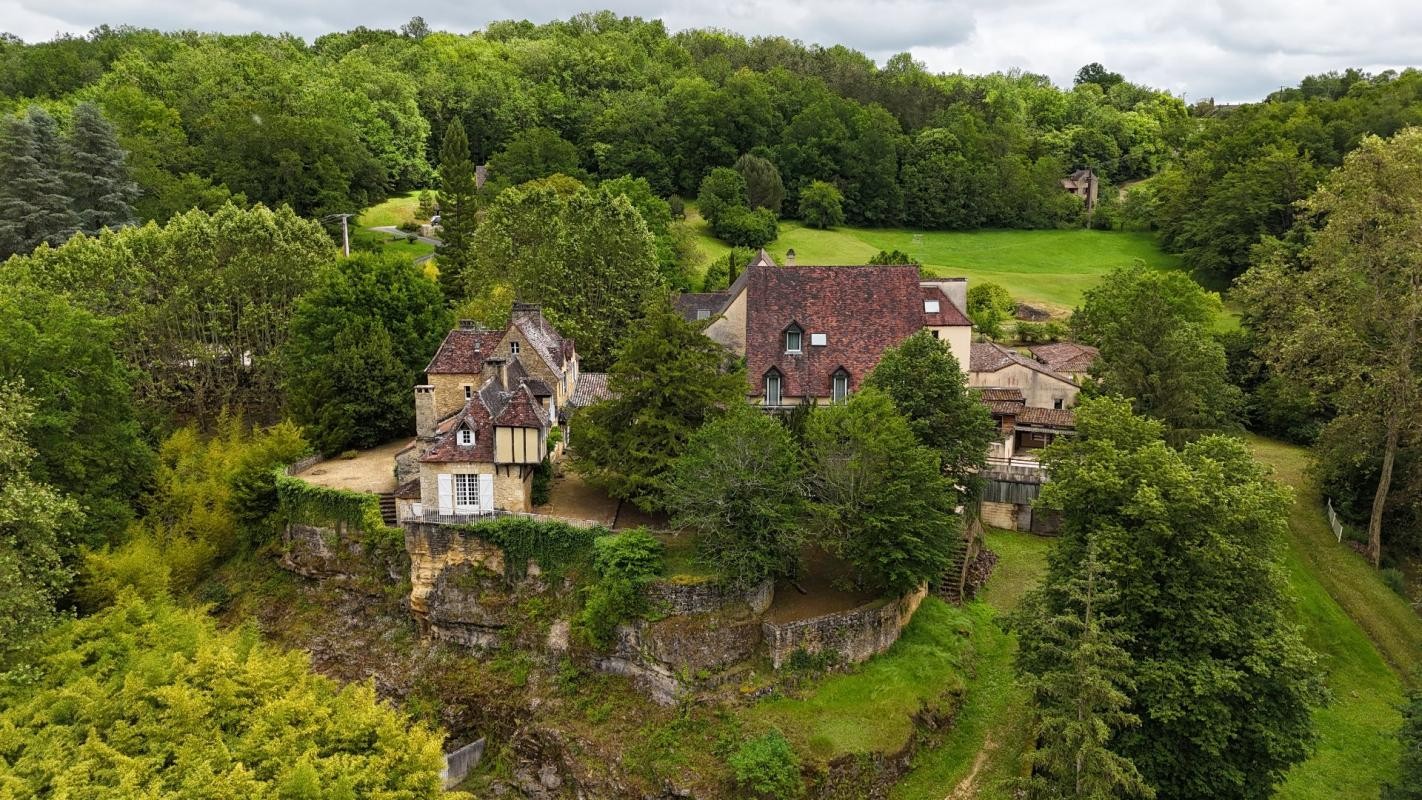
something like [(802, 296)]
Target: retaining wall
[(856, 635), (681, 598)]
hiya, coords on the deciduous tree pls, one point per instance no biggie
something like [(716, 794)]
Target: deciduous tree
[(822, 205)]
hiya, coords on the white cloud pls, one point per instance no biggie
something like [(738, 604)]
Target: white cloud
[(1228, 49)]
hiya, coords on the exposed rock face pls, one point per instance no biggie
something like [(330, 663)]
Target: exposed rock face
[(435, 548), (336, 552)]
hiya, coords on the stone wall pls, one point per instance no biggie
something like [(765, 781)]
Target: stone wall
[(856, 635), (337, 553), (435, 548), (999, 515), (682, 597)]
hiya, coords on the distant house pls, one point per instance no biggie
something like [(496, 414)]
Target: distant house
[(1084, 184), (483, 417), (1023, 428), (1014, 478), (810, 334), (1069, 358), (992, 366)]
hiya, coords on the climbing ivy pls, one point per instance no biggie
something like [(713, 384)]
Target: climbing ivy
[(555, 546), (307, 503)]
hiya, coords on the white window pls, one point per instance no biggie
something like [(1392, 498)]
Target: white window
[(468, 392), (841, 385), (930, 306), (1058, 402), (772, 389), (513, 348), (819, 339), (466, 494), (703, 313), (466, 437), (793, 336)]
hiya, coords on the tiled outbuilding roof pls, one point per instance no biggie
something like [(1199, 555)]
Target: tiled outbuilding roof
[(700, 305), (1003, 402), (859, 310), (591, 387), (1047, 417), (1068, 357), (991, 357)]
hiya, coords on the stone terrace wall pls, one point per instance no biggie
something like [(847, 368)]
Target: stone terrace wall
[(856, 635), (679, 598), (335, 552)]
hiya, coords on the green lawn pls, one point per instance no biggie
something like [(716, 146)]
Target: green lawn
[(985, 747), (392, 212), (1354, 622), (390, 243)]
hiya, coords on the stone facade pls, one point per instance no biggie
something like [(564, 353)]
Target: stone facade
[(856, 635)]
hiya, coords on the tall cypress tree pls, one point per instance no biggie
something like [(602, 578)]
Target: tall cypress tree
[(456, 209), (34, 207), (96, 172)]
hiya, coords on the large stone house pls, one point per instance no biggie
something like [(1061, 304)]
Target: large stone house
[(810, 334), (993, 366), (484, 415)]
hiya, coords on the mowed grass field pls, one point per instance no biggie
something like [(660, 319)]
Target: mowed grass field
[(1049, 268)]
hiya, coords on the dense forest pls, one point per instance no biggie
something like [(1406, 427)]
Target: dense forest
[(177, 323)]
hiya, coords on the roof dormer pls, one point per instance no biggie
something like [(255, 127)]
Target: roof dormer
[(794, 337)]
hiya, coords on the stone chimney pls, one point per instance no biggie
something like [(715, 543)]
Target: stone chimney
[(424, 411), (790, 257), (500, 365)]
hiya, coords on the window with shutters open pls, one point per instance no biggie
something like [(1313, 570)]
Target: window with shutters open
[(466, 494)]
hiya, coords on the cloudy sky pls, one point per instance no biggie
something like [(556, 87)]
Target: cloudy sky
[(1196, 48)]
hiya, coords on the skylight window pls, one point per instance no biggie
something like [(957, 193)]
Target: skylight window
[(930, 306), (819, 339)]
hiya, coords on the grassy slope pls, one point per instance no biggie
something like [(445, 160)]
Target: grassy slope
[(1349, 618), (993, 720), (392, 212)]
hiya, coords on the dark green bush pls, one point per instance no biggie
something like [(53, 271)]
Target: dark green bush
[(768, 767), (1394, 579), (1040, 332), (625, 563), (741, 227), (542, 478)]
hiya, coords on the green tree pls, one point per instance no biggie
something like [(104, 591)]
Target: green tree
[(1190, 538), (667, 381), (930, 389), (764, 189), (1353, 319), (426, 205), (739, 226), (721, 190), (359, 339), (34, 205), (1081, 701), (893, 258), (1409, 783), (535, 153), (237, 718), (740, 485), (1153, 330), (33, 517), (456, 211), (768, 767), (82, 427), (989, 306), (879, 497), (822, 205), (1097, 74), (96, 172)]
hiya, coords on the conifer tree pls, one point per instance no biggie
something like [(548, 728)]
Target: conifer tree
[(96, 172), (33, 205), (456, 206), (1081, 700)]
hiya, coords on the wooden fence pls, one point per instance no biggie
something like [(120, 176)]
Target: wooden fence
[(1334, 522)]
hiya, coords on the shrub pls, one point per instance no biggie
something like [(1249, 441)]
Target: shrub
[(741, 227), (768, 767), (634, 556), (625, 562), (1394, 579), (677, 206), (542, 477), (1040, 332), (409, 226)]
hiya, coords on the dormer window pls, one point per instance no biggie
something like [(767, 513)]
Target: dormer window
[(840, 385), (466, 437), (793, 337), (513, 348), (772, 388), (930, 306)]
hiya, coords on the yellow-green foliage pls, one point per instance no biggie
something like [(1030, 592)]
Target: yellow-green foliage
[(208, 502), (148, 700)]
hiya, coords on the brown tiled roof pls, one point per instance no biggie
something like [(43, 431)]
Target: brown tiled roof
[(947, 314), (464, 351), (489, 406), (1047, 417), (991, 357), (551, 346), (861, 310), (1065, 356), (688, 303), (1003, 402), (592, 387)]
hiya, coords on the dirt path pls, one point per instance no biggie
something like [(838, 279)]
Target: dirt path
[(967, 788), (369, 471)]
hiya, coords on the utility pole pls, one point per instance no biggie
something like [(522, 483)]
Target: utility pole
[(345, 231)]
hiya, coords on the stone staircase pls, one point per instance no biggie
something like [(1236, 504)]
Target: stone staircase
[(952, 584), (387, 508)]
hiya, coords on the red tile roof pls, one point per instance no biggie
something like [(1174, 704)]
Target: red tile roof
[(1047, 417), (861, 310), (991, 357), (947, 314), (464, 351), (490, 406), (1065, 356), (1003, 402)]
